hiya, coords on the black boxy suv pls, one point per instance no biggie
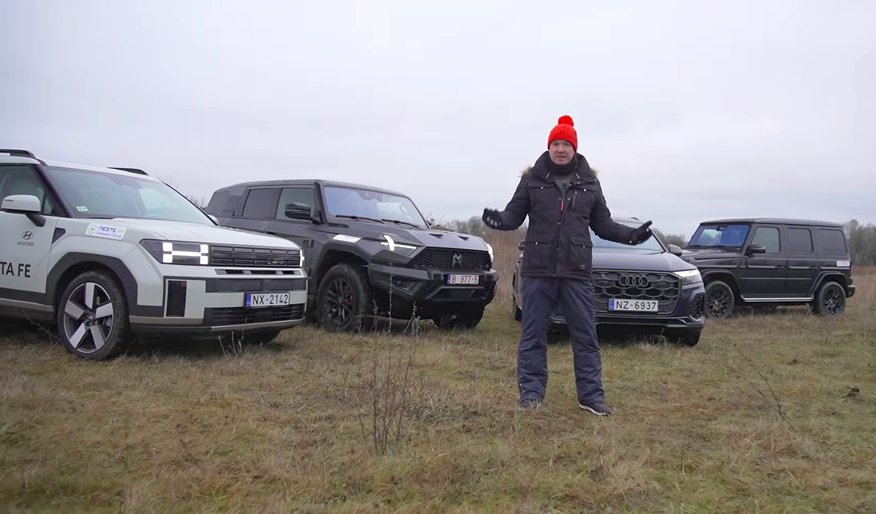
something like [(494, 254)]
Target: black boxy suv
[(764, 263), (367, 251), (639, 289)]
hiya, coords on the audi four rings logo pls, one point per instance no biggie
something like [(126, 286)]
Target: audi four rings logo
[(633, 281)]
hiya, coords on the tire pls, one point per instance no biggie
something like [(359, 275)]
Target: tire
[(685, 338), (515, 310), (464, 318), (345, 300), (92, 317), (830, 300), (720, 301), (260, 337)]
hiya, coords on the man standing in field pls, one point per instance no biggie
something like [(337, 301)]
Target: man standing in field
[(562, 197)]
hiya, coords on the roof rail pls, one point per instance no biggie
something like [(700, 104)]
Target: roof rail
[(138, 171), (17, 153)]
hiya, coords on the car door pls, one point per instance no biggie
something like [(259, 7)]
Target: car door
[(802, 262), (765, 274), (26, 245), (292, 219)]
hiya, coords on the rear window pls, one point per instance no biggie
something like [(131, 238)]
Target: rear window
[(799, 241), (831, 243)]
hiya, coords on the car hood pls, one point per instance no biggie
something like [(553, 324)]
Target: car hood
[(415, 236), (712, 255), (639, 261), (193, 232)]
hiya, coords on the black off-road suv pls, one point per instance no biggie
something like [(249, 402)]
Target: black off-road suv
[(368, 252), (764, 263)]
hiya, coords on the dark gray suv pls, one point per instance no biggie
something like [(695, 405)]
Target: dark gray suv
[(640, 289), (767, 262), (367, 251)]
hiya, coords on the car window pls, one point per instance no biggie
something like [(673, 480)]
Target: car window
[(651, 245), (95, 194), (348, 201), (831, 243), (799, 241), (289, 195), (24, 180), (719, 236), (769, 238), (260, 203)]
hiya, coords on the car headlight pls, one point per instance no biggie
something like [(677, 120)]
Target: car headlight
[(690, 276), (490, 251), (178, 252), (390, 244)]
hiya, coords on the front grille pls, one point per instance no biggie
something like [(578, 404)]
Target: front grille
[(663, 287), (452, 260), (241, 315), (251, 257)]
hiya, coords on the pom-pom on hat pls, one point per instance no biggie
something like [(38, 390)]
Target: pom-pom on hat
[(565, 129)]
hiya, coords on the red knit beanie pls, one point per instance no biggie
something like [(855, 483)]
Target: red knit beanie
[(565, 129)]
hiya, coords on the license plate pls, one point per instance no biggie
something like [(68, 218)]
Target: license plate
[(615, 304), (464, 280), (256, 300)]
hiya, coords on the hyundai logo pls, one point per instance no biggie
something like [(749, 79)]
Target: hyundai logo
[(640, 281), (457, 261), (27, 236)]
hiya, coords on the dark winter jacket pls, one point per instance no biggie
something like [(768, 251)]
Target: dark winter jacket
[(558, 240)]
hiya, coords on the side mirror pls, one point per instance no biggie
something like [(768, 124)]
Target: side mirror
[(675, 250), (21, 203), (298, 211), (521, 245), (753, 249), (28, 205)]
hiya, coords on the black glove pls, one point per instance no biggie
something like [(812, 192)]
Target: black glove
[(492, 218), (641, 234)]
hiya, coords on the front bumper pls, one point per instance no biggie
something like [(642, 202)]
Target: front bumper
[(195, 305), (687, 314), (425, 287)]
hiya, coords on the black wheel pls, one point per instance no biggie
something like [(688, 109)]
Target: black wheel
[(684, 338), (830, 300), (93, 317), (260, 336), (720, 301), (464, 318), (344, 299)]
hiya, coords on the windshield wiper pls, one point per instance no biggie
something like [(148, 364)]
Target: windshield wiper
[(358, 218), (400, 222)]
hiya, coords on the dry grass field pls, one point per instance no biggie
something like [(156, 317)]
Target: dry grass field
[(769, 413)]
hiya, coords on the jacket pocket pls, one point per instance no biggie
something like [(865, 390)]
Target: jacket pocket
[(539, 257), (581, 253)]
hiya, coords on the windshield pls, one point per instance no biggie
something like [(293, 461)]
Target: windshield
[(651, 245), (373, 205), (94, 194), (719, 236)]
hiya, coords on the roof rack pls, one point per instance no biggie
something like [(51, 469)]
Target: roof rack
[(18, 153), (138, 171)]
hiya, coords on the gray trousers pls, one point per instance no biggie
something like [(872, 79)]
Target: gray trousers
[(540, 297)]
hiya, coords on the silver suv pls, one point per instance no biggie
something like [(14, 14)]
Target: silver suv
[(111, 253)]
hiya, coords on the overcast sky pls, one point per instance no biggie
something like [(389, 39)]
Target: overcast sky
[(690, 110)]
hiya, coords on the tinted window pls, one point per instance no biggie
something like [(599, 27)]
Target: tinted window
[(831, 242), (260, 203), (300, 195), (719, 235), (799, 241), (769, 238)]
